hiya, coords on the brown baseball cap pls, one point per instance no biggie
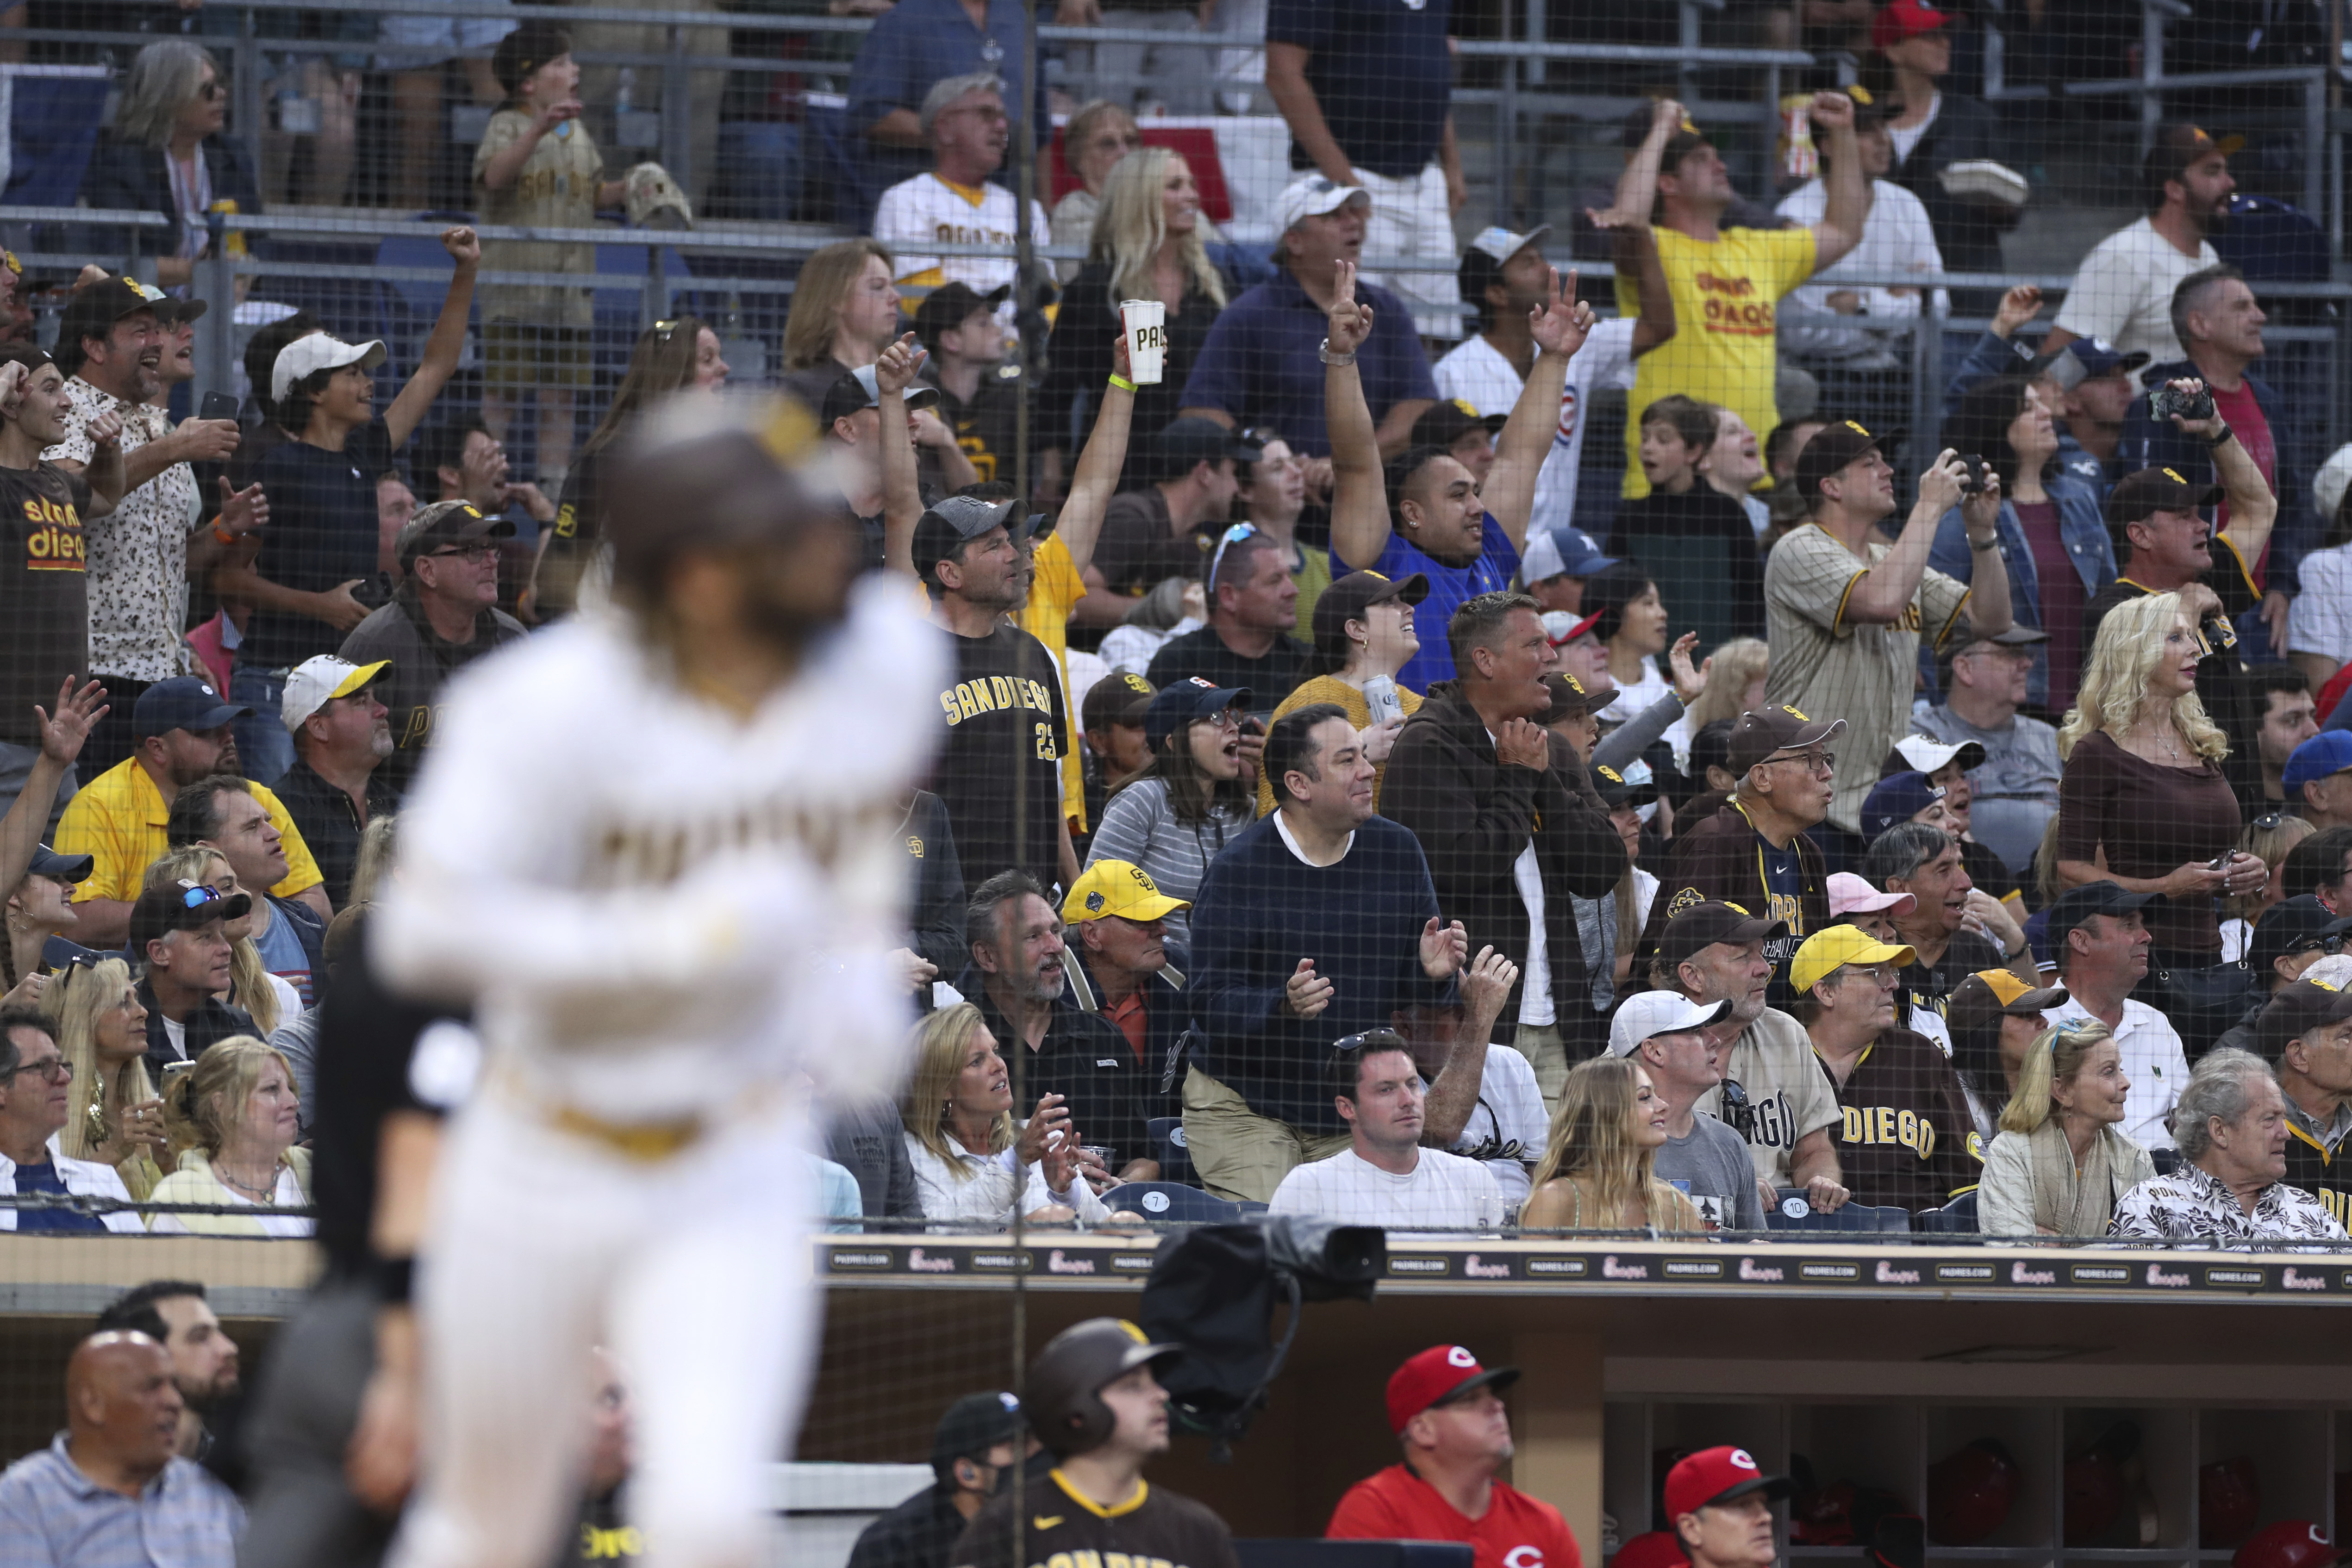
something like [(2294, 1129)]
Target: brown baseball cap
[(1347, 599), (1702, 924), (2296, 1011), (1832, 447), (1572, 698), (2136, 496), (1118, 697), (1981, 1000), (1762, 731)]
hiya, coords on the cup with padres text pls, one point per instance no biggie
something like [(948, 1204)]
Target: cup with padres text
[(1145, 322)]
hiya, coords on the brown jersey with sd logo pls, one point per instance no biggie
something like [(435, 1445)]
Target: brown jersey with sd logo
[(44, 592), (1904, 1139), (1156, 1528)]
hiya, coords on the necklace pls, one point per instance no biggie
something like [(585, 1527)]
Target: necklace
[(2167, 739), (267, 1193)]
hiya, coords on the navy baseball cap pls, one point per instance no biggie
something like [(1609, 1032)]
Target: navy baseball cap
[(2077, 904), (183, 702), (1897, 798), (46, 862), (1563, 552), (2086, 359), (2324, 755), (1179, 702), (2290, 926)]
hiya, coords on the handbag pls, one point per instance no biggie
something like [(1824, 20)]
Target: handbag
[(2203, 1003)]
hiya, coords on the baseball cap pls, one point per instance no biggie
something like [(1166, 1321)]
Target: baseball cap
[(95, 308), (2291, 925), (1182, 443), (973, 1424), (2326, 753), (1120, 888), (1904, 19), (1441, 1372), (1311, 196), (1981, 1000), (2135, 496), (1571, 697), (1484, 257), (1715, 1475), (1348, 600), (1179, 702), (308, 356), (1650, 1013), (1762, 731), (1925, 754), (1119, 699), (1449, 419), (446, 523), (1897, 798), (1851, 894), (1702, 924), (46, 862), (1832, 447), (2087, 360), (319, 680), (183, 702), (951, 305), (959, 519), (1561, 628), (1871, 108), (2076, 905), (174, 312), (2328, 486), (1570, 552), (2296, 1011), (1833, 947), (2178, 145), (1616, 789), (181, 906), (858, 389)]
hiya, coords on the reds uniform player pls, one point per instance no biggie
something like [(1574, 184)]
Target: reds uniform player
[(654, 847)]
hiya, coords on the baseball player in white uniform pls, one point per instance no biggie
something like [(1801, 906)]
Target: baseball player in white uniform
[(654, 848)]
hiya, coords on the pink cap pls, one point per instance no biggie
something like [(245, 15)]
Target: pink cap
[(1848, 894)]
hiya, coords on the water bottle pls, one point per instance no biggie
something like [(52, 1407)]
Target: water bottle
[(1380, 696)]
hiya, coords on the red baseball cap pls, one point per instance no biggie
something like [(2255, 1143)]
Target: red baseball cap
[(1653, 1549), (1715, 1475), (1441, 1372), (1904, 19), (2289, 1543)]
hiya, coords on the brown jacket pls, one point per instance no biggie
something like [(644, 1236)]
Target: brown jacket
[(1720, 859)]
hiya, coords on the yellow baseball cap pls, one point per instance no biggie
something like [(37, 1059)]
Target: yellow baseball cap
[(1835, 947), (1120, 888)]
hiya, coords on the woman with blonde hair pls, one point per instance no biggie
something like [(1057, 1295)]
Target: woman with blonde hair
[(378, 843), (845, 313), (1147, 243), (116, 1118), (233, 1117), (972, 1161), (268, 1000), (2142, 800), (2062, 1162), (1598, 1171)]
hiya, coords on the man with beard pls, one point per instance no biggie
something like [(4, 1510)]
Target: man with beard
[(175, 1315), (1019, 977), (181, 734), (2123, 291), (342, 734)]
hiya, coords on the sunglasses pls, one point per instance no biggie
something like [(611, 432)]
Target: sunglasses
[(665, 330), (195, 895), (1370, 1039), (1233, 536), (1738, 1114), (2268, 822)]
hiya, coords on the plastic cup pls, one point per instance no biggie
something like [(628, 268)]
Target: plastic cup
[(1145, 322)]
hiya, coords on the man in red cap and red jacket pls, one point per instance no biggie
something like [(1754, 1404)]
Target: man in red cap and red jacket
[(1720, 1506), (1444, 1409)]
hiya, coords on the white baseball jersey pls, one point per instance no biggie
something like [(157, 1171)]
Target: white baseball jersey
[(654, 906), (1477, 374), (926, 210)]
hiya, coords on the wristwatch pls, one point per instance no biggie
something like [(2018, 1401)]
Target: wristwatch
[(1329, 357)]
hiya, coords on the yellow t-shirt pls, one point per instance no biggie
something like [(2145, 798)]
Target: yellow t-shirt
[(1723, 348), (1332, 689), (118, 820), (1047, 617)]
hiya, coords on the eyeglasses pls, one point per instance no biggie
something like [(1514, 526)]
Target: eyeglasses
[(1233, 536), (1229, 719), (1885, 974), (476, 552), (1822, 763), (56, 1070), (1370, 1039)]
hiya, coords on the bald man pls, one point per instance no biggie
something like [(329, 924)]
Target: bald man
[(111, 1490)]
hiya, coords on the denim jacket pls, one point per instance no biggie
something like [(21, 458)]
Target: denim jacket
[(2080, 525)]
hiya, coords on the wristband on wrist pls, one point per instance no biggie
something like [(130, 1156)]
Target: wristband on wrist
[(224, 538), (2227, 436), (1122, 382), (393, 1280), (1990, 544)]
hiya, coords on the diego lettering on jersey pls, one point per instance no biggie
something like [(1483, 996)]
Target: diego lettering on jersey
[(53, 536), (1884, 1124), (1773, 1126), (656, 853)]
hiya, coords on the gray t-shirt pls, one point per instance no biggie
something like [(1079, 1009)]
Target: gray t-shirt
[(1711, 1166), (2015, 792)]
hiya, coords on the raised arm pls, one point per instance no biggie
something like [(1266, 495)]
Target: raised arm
[(1560, 324), (1096, 479), (442, 349), (1454, 1092), (1359, 495), (1294, 95), (2252, 508), (1990, 611), (105, 474), (1635, 251), (62, 734), (1883, 594), (1848, 205), (1637, 186)]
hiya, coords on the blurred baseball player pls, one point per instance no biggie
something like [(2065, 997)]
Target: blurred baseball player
[(647, 849)]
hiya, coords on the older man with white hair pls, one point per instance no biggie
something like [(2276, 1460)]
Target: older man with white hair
[(964, 121), (2231, 1127)]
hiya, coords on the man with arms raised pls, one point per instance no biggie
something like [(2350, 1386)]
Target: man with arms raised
[(1448, 1415)]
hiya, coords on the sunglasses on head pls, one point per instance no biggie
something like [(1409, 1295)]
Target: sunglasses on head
[(2267, 822), (1231, 536), (1370, 1039)]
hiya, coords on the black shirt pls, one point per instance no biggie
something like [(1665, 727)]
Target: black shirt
[(321, 533), (1270, 677), (1931, 991), (1086, 1060), (1000, 774), (44, 592), (330, 822), (1903, 1141), (918, 1534), (2320, 1168), (1139, 547), (421, 663), (988, 427), (1157, 1526), (1381, 71), (1701, 550)]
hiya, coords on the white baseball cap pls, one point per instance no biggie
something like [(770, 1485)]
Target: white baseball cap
[(2328, 486), (314, 682), (1928, 755), (1647, 1014), (308, 356), (1310, 197), (1500, 244)]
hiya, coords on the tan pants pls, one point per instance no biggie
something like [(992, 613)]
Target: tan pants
[(1547, 1052), (1241, 1155)]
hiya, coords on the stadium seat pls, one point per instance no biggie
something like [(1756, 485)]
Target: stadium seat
[(1793, 1212), (1957, 1218), (1171, 1201), (1168, 1147)]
